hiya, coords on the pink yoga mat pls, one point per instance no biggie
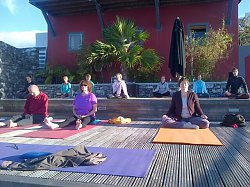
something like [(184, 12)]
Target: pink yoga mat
[(7, 129), (59, 133)]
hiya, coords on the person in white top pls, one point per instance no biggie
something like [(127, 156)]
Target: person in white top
[(185, 110), (162, 88), (119, 87)]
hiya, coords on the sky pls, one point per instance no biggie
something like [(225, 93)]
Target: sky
[(19, 21)]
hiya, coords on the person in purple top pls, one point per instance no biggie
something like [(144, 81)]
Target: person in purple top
[(84, 109)]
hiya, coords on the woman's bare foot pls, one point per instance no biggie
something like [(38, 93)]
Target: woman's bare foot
[(51, 125), (78, 124), (12, 124)]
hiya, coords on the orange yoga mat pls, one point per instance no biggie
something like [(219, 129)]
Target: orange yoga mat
[(187, 136)]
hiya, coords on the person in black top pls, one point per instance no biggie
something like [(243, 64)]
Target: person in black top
[(23, 94), (234, 86)]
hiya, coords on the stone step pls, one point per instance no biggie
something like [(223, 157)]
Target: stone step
[(138, 108)]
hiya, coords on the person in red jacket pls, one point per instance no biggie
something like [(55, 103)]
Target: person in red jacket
[(185, 110), (35, 109)]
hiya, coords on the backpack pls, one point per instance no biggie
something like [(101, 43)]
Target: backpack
[(231, 119)]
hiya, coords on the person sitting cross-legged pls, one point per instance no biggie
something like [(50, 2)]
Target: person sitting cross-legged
[(200, 88), (24, 93), (162, 88), (119, 87), (234, 85), (185, 110), (88, 79), (84, 109), (65, 87)]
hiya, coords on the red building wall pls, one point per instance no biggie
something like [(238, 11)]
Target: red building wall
[(247, 67), (210, 13)]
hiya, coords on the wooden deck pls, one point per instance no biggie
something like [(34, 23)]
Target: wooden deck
[(173, 165)]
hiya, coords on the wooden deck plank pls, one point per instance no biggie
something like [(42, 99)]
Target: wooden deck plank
[(239, 164), (211, 172), (185, 175), (86, 177), (157, 175), (144, 181), (173, 165), (198, 171), (233, 143)]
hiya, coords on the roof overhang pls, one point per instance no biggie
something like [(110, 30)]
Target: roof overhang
[(70, 7)]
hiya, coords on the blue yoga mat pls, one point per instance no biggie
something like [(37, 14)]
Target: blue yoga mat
[(120, 161)]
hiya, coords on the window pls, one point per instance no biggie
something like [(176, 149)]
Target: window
[(197, 30), (75, 41)]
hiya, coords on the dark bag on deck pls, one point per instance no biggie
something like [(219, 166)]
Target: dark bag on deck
[(231, 119)]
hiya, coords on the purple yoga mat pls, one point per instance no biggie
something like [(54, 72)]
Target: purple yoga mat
[(120, 161)]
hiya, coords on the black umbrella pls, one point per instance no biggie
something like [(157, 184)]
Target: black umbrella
[(177, 56)]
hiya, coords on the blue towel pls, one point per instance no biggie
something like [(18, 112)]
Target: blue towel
[(96, 121), (31, 155)]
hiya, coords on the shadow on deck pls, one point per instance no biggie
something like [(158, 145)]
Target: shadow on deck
[(173, 164)]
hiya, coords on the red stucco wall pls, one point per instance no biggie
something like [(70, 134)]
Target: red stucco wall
[(211, 13), (247, 73)]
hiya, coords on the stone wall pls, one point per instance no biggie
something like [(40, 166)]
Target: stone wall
[(15, 64), (142, 90), (215, 89)]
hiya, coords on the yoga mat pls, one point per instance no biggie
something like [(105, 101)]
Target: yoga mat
[(59, 133), (187, 136), (120, 161), (7, 129), (97, 121)]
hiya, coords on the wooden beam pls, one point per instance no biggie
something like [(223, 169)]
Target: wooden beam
[(157, 15), (99, 13), (51, 29), (229, 12)]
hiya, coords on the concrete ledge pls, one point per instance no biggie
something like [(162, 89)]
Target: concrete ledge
[(138, 108)]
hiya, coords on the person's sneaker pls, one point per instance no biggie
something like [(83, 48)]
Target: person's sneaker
[(189, 125)]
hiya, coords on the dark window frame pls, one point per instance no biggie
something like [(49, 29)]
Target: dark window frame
[(197, 25), (70, 35)]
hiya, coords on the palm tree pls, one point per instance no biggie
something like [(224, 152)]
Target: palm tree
[(122, 44)]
